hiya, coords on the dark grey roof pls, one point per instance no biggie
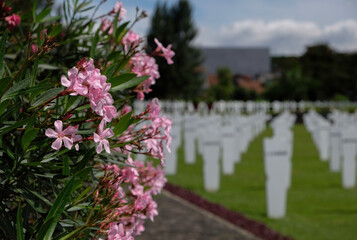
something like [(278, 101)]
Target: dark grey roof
[(247, 61)]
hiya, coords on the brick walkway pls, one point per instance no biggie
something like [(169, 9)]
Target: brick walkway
[(180, 220)]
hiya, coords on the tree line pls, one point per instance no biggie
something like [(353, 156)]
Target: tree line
[(321, 73)]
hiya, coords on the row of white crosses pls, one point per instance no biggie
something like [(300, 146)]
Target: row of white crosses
[(218, 137), (277, 164), (320, 128), (336, 142), (343, 139), (238, 107)]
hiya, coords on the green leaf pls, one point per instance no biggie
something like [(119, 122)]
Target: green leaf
[(19, 226), (4, 83), (46, 96), (71, 234), (47, 66), (30, 194), (3, 106), (83, 162), (34, 72), (72, 101), (38, 88), (56, 30), (65, 168), (83, 107), (113, 55), (33, 90), (44, 228), (16, 88), (131, 83), (122, 31), (42, 14), (16, 125), (123, 124), (55, 212), (28, 137), (110, 70), (122, 78), (94, 44), (50, 19), (61, 201), (34, 8), (2, 50), (115, 24), (34, 94), (82, 194)]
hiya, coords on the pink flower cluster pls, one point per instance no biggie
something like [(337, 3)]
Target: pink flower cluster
[(100, 138), (153, 136), (131, 40), (131, 189), (67, 136), (167, 53), (158, 132), (144, 65), (86, 80), (11, 20), (107, 24)]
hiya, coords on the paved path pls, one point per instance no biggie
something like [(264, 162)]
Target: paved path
[(180, 220)]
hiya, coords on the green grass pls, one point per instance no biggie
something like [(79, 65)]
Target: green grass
[(318, 207)]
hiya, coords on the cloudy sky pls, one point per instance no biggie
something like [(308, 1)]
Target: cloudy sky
[(285, 26)]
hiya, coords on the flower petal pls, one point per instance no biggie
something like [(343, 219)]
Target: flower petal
[(99, 148), (70, 130), (96, 138), (106, 145), (68, 143), (51, 133), (58, 126), (57, 144), (65, 82), (108, 133)]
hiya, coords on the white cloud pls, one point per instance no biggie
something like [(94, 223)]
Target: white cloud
[(284, 37)]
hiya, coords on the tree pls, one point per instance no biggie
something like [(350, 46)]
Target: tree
[(224, 89), (174, 26)]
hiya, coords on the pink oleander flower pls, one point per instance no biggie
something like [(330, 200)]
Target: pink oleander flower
[(109, 112), (144, 65), (119, 7), (154, 108), (67, 136), (12, 21), (131, 189), (75, 82), (106, 23), (158, 132), (117, 232), (140, 95), (100, 138), (126, 109), (131, 39), (167, 53), (34, 48), (86, 80)]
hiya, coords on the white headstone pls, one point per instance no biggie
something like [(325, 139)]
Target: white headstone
[(211, 169), (349, 138), (189, 136), (276, 169), (335, 150), (228, 149)]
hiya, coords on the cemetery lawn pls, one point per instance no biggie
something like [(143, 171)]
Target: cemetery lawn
[(318, 207)]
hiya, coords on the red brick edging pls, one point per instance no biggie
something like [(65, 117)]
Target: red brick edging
[(256, 228)]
